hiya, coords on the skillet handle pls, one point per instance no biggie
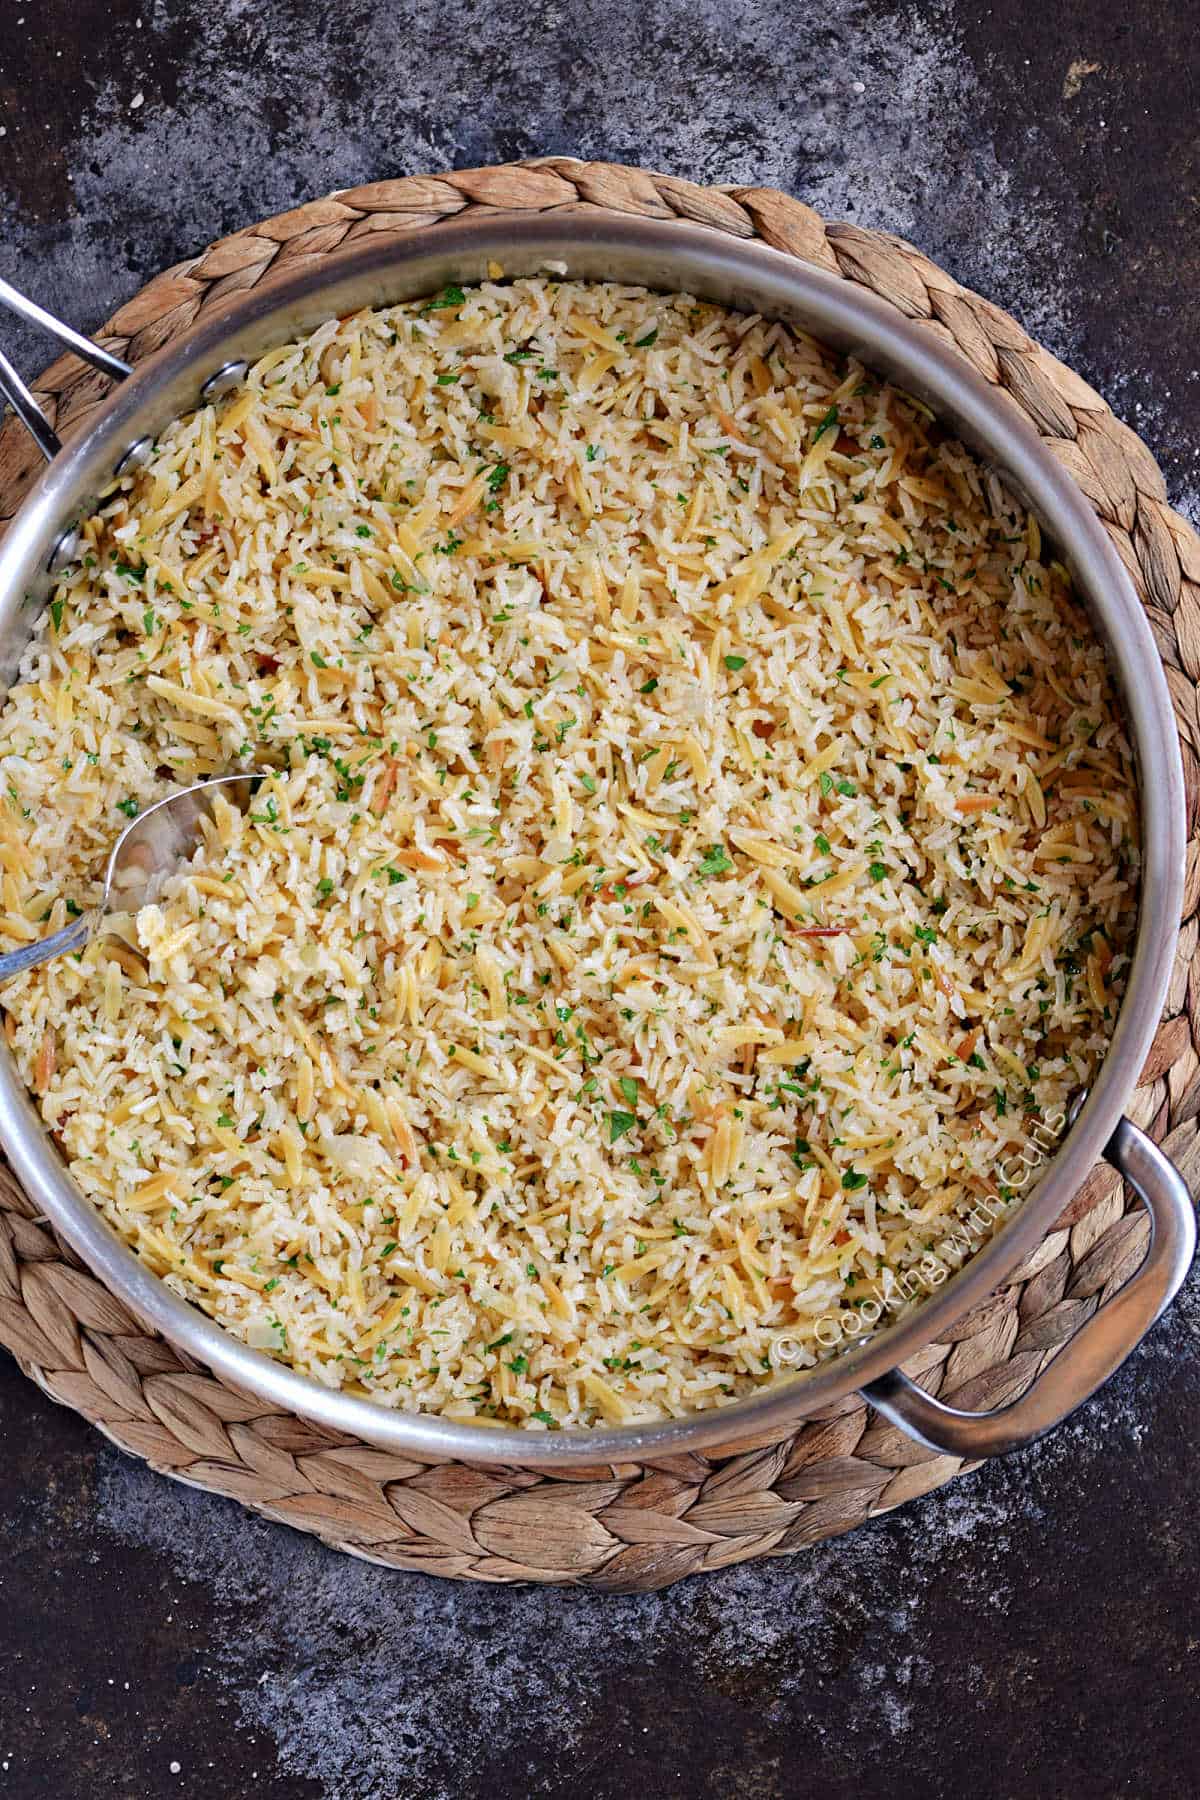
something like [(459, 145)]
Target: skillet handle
[(1098, 1348), (16, 391)]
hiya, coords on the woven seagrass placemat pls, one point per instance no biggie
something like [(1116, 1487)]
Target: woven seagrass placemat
[(623, 1526)]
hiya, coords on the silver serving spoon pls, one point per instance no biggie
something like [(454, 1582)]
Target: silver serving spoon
[(147, 851)]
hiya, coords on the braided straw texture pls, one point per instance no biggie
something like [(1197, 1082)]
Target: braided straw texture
[(627, 1527)]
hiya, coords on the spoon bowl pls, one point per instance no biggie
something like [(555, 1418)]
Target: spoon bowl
[(150, 848)]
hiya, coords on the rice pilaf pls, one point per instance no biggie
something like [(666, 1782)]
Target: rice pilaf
[(699, 847)]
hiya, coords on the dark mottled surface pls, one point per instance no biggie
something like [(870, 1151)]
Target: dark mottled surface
[(1031, 1630)]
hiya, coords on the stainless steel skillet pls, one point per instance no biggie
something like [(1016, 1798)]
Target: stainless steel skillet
[(752, 277)]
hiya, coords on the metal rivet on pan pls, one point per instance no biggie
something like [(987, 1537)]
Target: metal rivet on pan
[(136, 457), (223, 381), (65, 552), (1077, 1105)]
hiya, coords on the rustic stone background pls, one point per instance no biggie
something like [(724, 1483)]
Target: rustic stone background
[(1031, 1630)]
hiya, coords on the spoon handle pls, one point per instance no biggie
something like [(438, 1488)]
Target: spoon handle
[(72, 937)]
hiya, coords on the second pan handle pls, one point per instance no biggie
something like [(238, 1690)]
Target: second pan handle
[(1098, 1348), (18, 393)]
